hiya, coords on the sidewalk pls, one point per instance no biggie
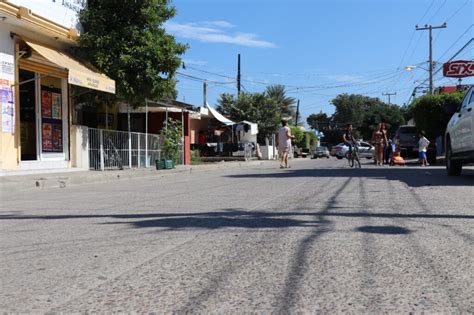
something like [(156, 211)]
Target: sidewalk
[(19, 183)]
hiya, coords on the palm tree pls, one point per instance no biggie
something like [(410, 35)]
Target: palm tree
[(286, 103)]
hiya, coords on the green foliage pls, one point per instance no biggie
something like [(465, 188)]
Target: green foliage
[(317, 121), (196, 157), (391, 115), (253, 107), (172, 138), (128, 43), (298, 134), (286, 103), (365, 113), (429, 112)]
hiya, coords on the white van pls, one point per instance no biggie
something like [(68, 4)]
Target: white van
[(460, 136)]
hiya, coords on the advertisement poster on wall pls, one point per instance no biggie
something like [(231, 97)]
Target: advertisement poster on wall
[(51, 118), (7, 77), (46, 104), (57, 138), (56, 105), (47, 137)]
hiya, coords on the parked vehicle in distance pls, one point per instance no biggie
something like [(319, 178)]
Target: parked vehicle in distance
[(297, 152), (320, 152), (459, 135), (366, 150), (406, 137)]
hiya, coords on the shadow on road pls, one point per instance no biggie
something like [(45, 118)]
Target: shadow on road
[(412, 176), (234, 218), (390, 229)]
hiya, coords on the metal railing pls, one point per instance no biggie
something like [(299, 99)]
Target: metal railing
[(111, 149)]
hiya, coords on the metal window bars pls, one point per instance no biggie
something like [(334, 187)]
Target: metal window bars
[(111, 149)]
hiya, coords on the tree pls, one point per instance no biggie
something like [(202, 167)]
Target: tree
[(365, 113), (429, 112), (317, 121), (129, 44), (286, 103), (298, 134), (253, 107), (172, 138)]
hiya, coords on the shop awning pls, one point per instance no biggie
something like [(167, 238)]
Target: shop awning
[(78, 74), (219, 116)]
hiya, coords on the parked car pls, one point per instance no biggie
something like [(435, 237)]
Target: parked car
[(366, 150), (320, 152), (406, 137), (297, 152), (459, 136)]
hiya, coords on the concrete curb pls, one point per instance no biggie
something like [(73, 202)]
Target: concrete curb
[(62, 180)]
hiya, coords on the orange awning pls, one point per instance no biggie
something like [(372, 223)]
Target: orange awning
[(78, 74)]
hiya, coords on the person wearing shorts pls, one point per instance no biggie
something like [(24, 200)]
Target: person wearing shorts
[(284, 143), (423, 144)]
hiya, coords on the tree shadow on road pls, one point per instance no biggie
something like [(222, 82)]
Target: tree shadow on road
[(412, 176), (238, 218)]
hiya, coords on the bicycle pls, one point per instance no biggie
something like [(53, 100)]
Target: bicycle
[(354, 157)]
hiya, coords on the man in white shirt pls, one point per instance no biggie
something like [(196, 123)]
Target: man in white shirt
[(423, 144), (284, 143)]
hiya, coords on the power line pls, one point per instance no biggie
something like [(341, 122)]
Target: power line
[(456, 41), (437, 11)]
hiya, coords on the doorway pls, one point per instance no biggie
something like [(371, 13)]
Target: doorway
[(28, 128)]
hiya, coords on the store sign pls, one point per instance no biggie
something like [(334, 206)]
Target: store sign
[(7, 100), (63, 12), (459, 69)]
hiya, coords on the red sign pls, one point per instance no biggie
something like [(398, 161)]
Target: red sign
[(459, 69)]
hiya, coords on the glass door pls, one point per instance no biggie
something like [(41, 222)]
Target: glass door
[(28, 127)]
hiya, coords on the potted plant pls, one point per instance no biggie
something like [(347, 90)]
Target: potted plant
[(170, 145)]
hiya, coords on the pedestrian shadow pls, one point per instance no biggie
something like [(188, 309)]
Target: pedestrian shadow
[(412, 176)]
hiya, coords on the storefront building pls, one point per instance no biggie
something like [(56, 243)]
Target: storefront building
[(36, 75)]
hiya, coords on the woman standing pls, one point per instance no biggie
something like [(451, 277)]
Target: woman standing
[(379, 139)]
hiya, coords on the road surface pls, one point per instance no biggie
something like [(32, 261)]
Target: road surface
[(318, 237)]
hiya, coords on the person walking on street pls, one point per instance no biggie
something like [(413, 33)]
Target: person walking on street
[(284, 143), (378, 141), (387, 146), (423, 144)]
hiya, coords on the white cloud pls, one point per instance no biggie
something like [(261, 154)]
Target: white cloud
[(208, 33), (223, 24)]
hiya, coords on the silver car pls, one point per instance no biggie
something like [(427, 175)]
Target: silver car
[(366, 150), (320, 152)]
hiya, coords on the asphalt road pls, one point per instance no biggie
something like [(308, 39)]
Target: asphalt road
[(319, 237)]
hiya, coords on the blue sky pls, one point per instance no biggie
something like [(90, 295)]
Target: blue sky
[(317, 49)]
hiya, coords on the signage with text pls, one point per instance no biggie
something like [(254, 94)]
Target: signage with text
[(459, 69)]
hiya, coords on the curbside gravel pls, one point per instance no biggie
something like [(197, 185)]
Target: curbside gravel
[(62, 180)]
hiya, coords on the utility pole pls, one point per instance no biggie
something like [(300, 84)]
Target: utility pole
[(238, 74), (389, 94), (204, 91), (297, 112), (431, 28)]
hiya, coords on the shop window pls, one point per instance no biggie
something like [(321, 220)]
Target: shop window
[(51, 115)]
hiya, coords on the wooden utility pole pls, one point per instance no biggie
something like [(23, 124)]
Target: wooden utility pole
[(430, 28), (297, 112), (238, 74), (389, 94)]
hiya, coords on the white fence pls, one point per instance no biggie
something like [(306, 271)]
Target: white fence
[(110, 149)]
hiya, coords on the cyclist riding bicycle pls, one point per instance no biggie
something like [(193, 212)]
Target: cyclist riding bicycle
[(348, 137)]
